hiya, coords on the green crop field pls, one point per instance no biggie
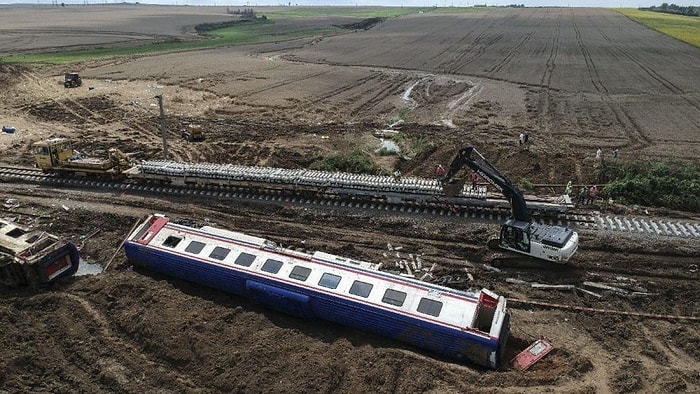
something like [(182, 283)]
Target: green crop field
[(684, 28)]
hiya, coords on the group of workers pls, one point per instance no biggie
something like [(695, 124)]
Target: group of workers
[(587, 194)]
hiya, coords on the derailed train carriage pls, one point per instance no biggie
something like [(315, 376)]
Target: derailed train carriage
[(34, 257), (464, 326)]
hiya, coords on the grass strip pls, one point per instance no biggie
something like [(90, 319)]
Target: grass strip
[(683, 28)]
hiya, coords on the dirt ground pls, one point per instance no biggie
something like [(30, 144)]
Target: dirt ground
[(574, 79)]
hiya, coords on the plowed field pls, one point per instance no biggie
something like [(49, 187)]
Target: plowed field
[(574, 79)]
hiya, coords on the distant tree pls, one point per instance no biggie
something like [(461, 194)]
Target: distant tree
[(674, 9)]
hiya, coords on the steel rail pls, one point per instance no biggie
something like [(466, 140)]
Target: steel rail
[(495, 211)]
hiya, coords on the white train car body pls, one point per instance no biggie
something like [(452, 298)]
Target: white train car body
[(464, 326)]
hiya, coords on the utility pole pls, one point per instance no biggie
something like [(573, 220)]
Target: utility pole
[(162, 126)]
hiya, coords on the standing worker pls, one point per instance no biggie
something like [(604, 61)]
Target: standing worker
[(592, 194), (439, 172), (569, 189), (475, 177), (582, 195)]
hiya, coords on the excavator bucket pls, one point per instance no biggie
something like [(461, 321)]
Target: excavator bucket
[(453, 187)]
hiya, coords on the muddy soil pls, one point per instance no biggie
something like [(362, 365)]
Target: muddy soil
[(129, 330)]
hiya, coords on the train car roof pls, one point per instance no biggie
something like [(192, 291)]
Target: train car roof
[(19, 241)]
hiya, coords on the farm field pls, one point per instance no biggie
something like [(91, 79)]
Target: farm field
[(574, 79)]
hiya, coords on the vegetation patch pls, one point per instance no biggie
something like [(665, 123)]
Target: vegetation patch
[(415, 145), (357, 161), (526, 184), (212, 27), (674, 9), (684, 28), (365, 24), (669, 184)]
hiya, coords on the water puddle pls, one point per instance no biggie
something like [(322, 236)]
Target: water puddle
[(388, 146), (85, 268)]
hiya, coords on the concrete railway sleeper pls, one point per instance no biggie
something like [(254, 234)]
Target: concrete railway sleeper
[(480, 210)]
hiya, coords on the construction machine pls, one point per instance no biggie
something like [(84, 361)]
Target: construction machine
[(192, 133), (519, 234), (57, 155), (72, 80)]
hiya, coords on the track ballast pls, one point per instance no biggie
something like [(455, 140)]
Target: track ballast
[(410, 195)]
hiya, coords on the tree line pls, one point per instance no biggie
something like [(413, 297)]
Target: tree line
[(674, 9)]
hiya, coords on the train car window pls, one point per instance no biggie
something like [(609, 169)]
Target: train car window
[(219, 253), (245, 259), (300, 273), (429, 307), (329, 280), (394, 297), (172, 241), (272, 266), (195, 247), (360, 288), (16, 232)]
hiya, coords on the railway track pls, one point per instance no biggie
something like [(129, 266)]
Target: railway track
[(496, 211)]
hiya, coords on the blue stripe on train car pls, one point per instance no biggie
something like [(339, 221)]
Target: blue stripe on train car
[(455, 344), (277, 298)]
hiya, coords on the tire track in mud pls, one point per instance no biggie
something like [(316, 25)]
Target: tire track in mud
[(653, 74), (593, 73), (489, 41), (480, 48), (85, 116), (631, 128), (280, 84), (445, 64), (372, 101), (333, 93), (128, 38), (512, 52), (675, 358), (546, 80), (91, 118), (114, 369)]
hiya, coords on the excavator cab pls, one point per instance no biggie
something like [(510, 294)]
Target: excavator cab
[(515, 235)]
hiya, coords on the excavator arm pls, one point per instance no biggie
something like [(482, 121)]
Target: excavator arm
[(454, 180)]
